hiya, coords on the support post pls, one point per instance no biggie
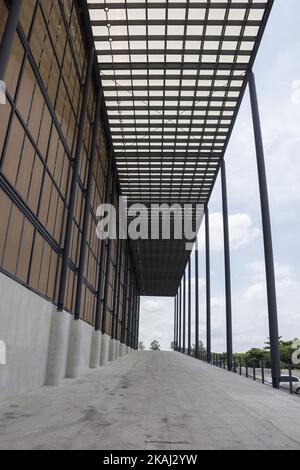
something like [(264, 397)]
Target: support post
[(8, 35), (102, 255), (108, 264), (116, 289), (208, 288), (175, 322), (119, 290), (183, 321), (86, 215), (189, 307), (128, 317), (72, 199), (196, 301), (180, 318), (133, 336), (267, 235), (130, 310), (125, 291), (138, 321), (227, 267)]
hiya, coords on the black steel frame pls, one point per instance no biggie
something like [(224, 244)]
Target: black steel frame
[(92, 80), (227, 267)]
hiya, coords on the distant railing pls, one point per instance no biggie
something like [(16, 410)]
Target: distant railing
[(254, 369)]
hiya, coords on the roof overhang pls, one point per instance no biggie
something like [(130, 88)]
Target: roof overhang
[(173, 75)]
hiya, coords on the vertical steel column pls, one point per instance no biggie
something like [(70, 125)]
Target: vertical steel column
[(175, 322), (125, 291), (74, 182), (103, 251), (227, 267), (116, 289), (138, 321), (267, 234), (208, 289), (108, 263), (133, 321), (183, 321), (196, 301), (179, 335), (130, 311), (86, 215), (119, 291), (190, 307), (8, 35), (133, 335)]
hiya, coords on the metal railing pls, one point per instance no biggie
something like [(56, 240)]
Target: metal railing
[(253, 369)]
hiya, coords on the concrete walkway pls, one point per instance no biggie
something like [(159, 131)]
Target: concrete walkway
[(152, 400)]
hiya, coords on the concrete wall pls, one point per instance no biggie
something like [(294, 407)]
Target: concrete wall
[(25, 322), (43, 346)]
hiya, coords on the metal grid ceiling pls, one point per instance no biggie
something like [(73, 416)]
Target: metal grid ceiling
[(173, 76)]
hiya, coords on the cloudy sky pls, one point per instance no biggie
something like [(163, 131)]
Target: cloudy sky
[(277, 72)]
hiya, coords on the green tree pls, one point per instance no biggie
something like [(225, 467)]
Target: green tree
[(255, 356), (142, 347), (285, 348), (155, 346), (200, 349)]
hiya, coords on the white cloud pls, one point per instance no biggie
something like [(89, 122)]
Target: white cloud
[(157, 316), (241, 228), (250, 313), (295, 92)]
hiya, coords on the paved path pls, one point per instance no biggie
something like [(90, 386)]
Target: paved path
[(153, 400)]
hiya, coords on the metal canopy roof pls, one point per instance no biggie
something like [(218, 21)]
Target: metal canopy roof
[(173, 76)]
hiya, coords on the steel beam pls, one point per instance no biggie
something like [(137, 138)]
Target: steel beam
[(86, 215), (267, 235), (74, 183), (8, 35), (227, 268), (208, 287)]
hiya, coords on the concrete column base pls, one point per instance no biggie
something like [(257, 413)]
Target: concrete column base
[(75, 347), (117, 350), (112, 350), (124, 350), (95, 350), (104, 349), (120, 349), (58, 348)]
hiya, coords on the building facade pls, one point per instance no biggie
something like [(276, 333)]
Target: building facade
[(61, 288)]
